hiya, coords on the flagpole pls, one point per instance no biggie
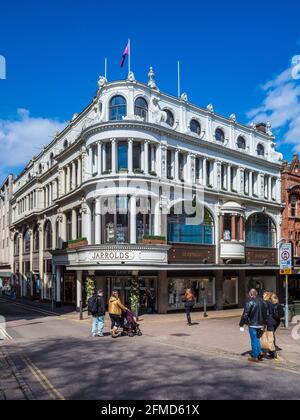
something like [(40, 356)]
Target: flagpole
[(105, 68), (129, 57), (179, 87)]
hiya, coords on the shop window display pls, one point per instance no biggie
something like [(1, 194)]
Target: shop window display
[(203, 288), (230, 291)]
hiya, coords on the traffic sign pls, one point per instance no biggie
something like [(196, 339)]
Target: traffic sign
[(286, 258)]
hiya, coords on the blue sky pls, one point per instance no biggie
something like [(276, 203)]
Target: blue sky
[(232, 53)]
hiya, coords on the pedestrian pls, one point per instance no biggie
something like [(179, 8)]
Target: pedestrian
[(277, 315), (189, 303), (255, 316), (96, 308), (115, 309)]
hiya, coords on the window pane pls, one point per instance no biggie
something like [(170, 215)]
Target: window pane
[(122, 156)]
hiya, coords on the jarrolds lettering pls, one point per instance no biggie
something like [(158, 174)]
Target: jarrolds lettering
[(112, 256)]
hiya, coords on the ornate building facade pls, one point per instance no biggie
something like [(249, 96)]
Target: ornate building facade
[(291, 218), (147, 185)]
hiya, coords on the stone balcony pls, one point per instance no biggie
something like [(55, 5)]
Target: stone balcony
[(233, 250)]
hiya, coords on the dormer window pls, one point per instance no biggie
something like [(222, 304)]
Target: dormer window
[(219, 135), (170, 118), (195, 127), (117, 108), (241, 143), (66, 144), (260, 150)]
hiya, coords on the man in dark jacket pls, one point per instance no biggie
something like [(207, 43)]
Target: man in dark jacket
[(255, 316), (97, 306)]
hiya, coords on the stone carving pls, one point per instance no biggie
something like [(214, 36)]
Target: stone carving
[(184, 97), (159, 116), (102, 82), (210, 108), (151, 81), (269, 129), (131, 77), (233, 118)]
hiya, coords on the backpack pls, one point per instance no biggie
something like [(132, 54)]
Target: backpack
[(93, 305), (279, 312)]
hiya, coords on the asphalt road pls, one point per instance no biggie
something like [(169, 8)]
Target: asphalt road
[(58, 359)]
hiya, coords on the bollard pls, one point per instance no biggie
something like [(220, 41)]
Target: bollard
[(81, 312)]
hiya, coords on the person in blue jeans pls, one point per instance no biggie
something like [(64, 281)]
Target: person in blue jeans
[(255, 316), (97, 310)]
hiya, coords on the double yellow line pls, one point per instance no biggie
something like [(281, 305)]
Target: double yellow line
[(43, 380)]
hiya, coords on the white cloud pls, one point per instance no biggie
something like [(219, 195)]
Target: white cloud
[(23, 138), (281, 106)]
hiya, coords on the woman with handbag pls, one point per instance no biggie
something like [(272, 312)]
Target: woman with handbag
[(189, 303)]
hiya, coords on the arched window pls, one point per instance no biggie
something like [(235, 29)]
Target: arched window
[(117, 108), (36, 239), (195, 127), (180, 229), (241, 143), (260, 231), (219, 135), (48, 236), (26, 242), (260, 150), (294, 202), (51, 160), (170, 118), (141, 108), (66, 144)]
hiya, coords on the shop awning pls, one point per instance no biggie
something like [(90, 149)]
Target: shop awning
[(5, 274)]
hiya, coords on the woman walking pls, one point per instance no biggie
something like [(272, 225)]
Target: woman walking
[(189, 303), (115, 309), (273, 323)]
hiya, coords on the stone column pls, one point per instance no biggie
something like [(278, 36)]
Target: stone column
[(132, 204), (228, 178), (90, 164), (74, 224), (233, 227), (204, 173), (157, 218), (21, 264), (41, 259), (99, 160), (130, 156), (251, 192), (87, 223), (113, 156), (222, 227), (98, 222), (31, 260), (270, 189), (73, 176), (176, 164), (58, 271), (152, 151), (146, 157), (79, 171), (104, 158), (68, 179), (78, 289), (242, 229)]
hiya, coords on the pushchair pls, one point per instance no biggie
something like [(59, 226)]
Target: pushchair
[(130, 327)]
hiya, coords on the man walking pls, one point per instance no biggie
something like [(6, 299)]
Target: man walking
[(255, 316), (96, 308)]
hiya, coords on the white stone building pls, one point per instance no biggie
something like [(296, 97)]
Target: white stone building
[(6, 261), (99, 202)]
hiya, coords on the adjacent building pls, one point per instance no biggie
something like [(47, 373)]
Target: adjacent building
[(142, 184), (291, 219), (6, 263)]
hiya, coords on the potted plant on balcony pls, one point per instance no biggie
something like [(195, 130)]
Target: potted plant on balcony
[(154, 240), (77, 243), (153, 173), (138, 171)]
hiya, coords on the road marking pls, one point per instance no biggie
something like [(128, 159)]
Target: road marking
[(5, 334), (43, 380)]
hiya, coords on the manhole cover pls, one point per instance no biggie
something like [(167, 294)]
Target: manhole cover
[(180, 335)]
